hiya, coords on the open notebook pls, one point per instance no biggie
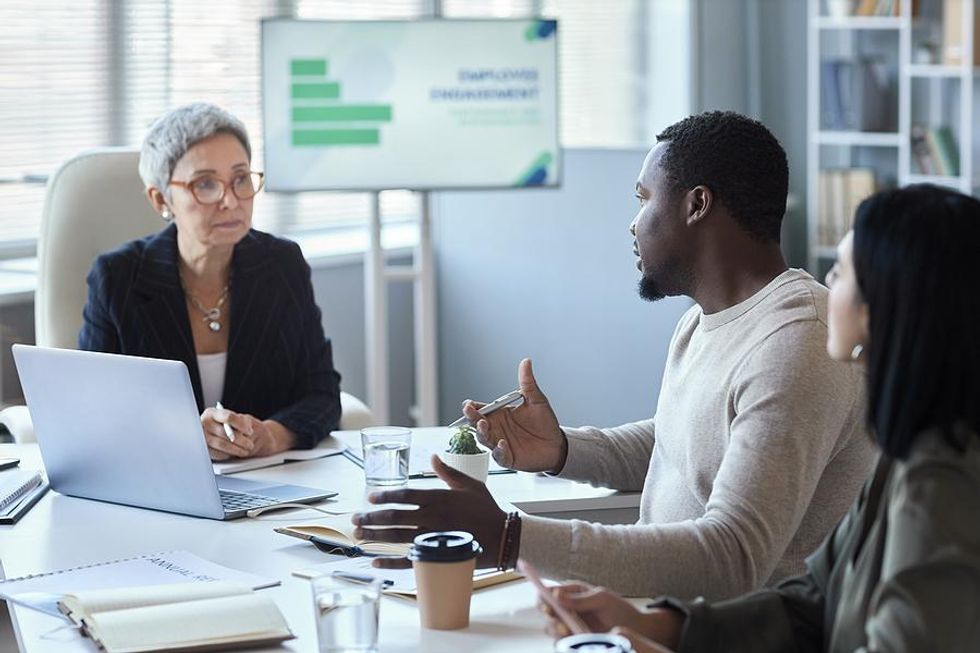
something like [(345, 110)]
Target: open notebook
[(336, 535), (176, 617), (331, 446), (42, 591)]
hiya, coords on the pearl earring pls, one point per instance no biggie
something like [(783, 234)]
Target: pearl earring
[(165, 214), (856, 352)]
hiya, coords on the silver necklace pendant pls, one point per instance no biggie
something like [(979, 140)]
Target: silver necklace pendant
[(211, 317)]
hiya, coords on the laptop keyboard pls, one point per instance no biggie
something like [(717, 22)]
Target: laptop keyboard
[(231, 501)]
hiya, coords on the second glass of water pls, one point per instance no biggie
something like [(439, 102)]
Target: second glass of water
[(386, 452), (346, 615)]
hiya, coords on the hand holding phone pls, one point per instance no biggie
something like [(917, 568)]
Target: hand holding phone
[(571, 620)]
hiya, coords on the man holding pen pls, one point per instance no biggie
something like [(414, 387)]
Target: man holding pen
[(757, 447)]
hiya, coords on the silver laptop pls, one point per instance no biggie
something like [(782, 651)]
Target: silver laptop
[(125, 429)]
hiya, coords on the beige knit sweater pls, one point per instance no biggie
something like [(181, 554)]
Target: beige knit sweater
[(757, 449)]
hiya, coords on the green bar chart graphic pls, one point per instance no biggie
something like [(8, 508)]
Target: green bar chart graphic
[(316, 67), (320, 119), (330, 91), (336, 137), (350, 112)]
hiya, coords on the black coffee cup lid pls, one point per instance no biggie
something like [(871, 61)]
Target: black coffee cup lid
[(444, 546)]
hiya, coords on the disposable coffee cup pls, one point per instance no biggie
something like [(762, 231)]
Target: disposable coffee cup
[(444, 563)]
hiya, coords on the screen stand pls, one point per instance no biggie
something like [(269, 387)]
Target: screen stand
[(377, 274)]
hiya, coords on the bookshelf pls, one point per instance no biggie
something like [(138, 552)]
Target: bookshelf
[(892, 102)]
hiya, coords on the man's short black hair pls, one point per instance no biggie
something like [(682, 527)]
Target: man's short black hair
[(738, 159)]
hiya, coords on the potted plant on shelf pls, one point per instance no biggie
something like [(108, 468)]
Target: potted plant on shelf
[(465, 455)]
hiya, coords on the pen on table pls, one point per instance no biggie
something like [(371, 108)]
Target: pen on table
[(351, 551), (496, 404), (357, 578), (228, 432)]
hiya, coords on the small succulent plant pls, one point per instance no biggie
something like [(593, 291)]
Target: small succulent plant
[(463, 441)]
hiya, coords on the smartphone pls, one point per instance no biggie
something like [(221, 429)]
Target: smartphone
[(571, 620), (6, 463)]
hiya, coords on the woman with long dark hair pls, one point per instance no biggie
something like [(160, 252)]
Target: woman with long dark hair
[(901, 572)]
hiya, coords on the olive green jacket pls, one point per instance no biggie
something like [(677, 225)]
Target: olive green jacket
[(901, 572)]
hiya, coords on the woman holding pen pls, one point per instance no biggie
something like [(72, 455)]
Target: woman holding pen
[(234, 304)]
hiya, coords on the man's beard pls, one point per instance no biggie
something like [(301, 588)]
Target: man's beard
[(649, 290)]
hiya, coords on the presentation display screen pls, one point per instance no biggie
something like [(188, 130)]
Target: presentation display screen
[(428, 104)]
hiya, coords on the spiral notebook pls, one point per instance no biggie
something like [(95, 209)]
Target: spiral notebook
[(19, 490), (43, 591), (15, 483)]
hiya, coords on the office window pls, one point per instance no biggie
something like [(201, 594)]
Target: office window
[(602, 64), (55, 80), (603, 69), (94, 73)]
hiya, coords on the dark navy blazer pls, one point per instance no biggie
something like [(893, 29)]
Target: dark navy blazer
[(280, 365)]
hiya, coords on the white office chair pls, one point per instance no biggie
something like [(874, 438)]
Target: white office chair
[(93, 203)]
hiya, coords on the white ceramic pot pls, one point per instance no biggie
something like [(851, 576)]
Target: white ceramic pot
[(475, 465)]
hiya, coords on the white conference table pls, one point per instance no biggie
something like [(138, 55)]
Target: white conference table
[(61, 532)]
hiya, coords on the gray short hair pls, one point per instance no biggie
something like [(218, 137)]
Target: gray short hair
[(176, 132)]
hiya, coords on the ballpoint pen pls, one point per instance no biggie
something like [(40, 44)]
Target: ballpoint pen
[(496, 404), (230, 434), (358, 578)]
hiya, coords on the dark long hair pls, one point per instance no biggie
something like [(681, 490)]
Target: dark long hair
[(917, 259)]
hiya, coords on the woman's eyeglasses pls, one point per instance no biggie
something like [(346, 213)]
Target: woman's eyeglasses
[(211, 190)]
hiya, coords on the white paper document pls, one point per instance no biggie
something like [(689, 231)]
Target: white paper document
[(43, 591), (402, 580)]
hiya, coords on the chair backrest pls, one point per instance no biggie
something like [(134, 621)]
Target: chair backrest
[(94, 203)]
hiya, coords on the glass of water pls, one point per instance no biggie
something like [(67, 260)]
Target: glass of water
[(386, 450), (346, 615)]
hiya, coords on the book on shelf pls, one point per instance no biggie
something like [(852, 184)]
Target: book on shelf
[(856, 95), (954, 50), (921, 154), (878, 8), (831, 107), (839, 192), (948, 153), (176, 617), (935, 151)]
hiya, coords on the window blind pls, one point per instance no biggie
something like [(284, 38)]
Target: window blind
[(98, 72), (55, 81)]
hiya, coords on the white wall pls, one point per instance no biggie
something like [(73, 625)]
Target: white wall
[(750, 57), (551, 274), (339, 292)]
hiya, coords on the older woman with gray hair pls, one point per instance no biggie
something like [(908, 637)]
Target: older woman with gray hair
[(234, 304)]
